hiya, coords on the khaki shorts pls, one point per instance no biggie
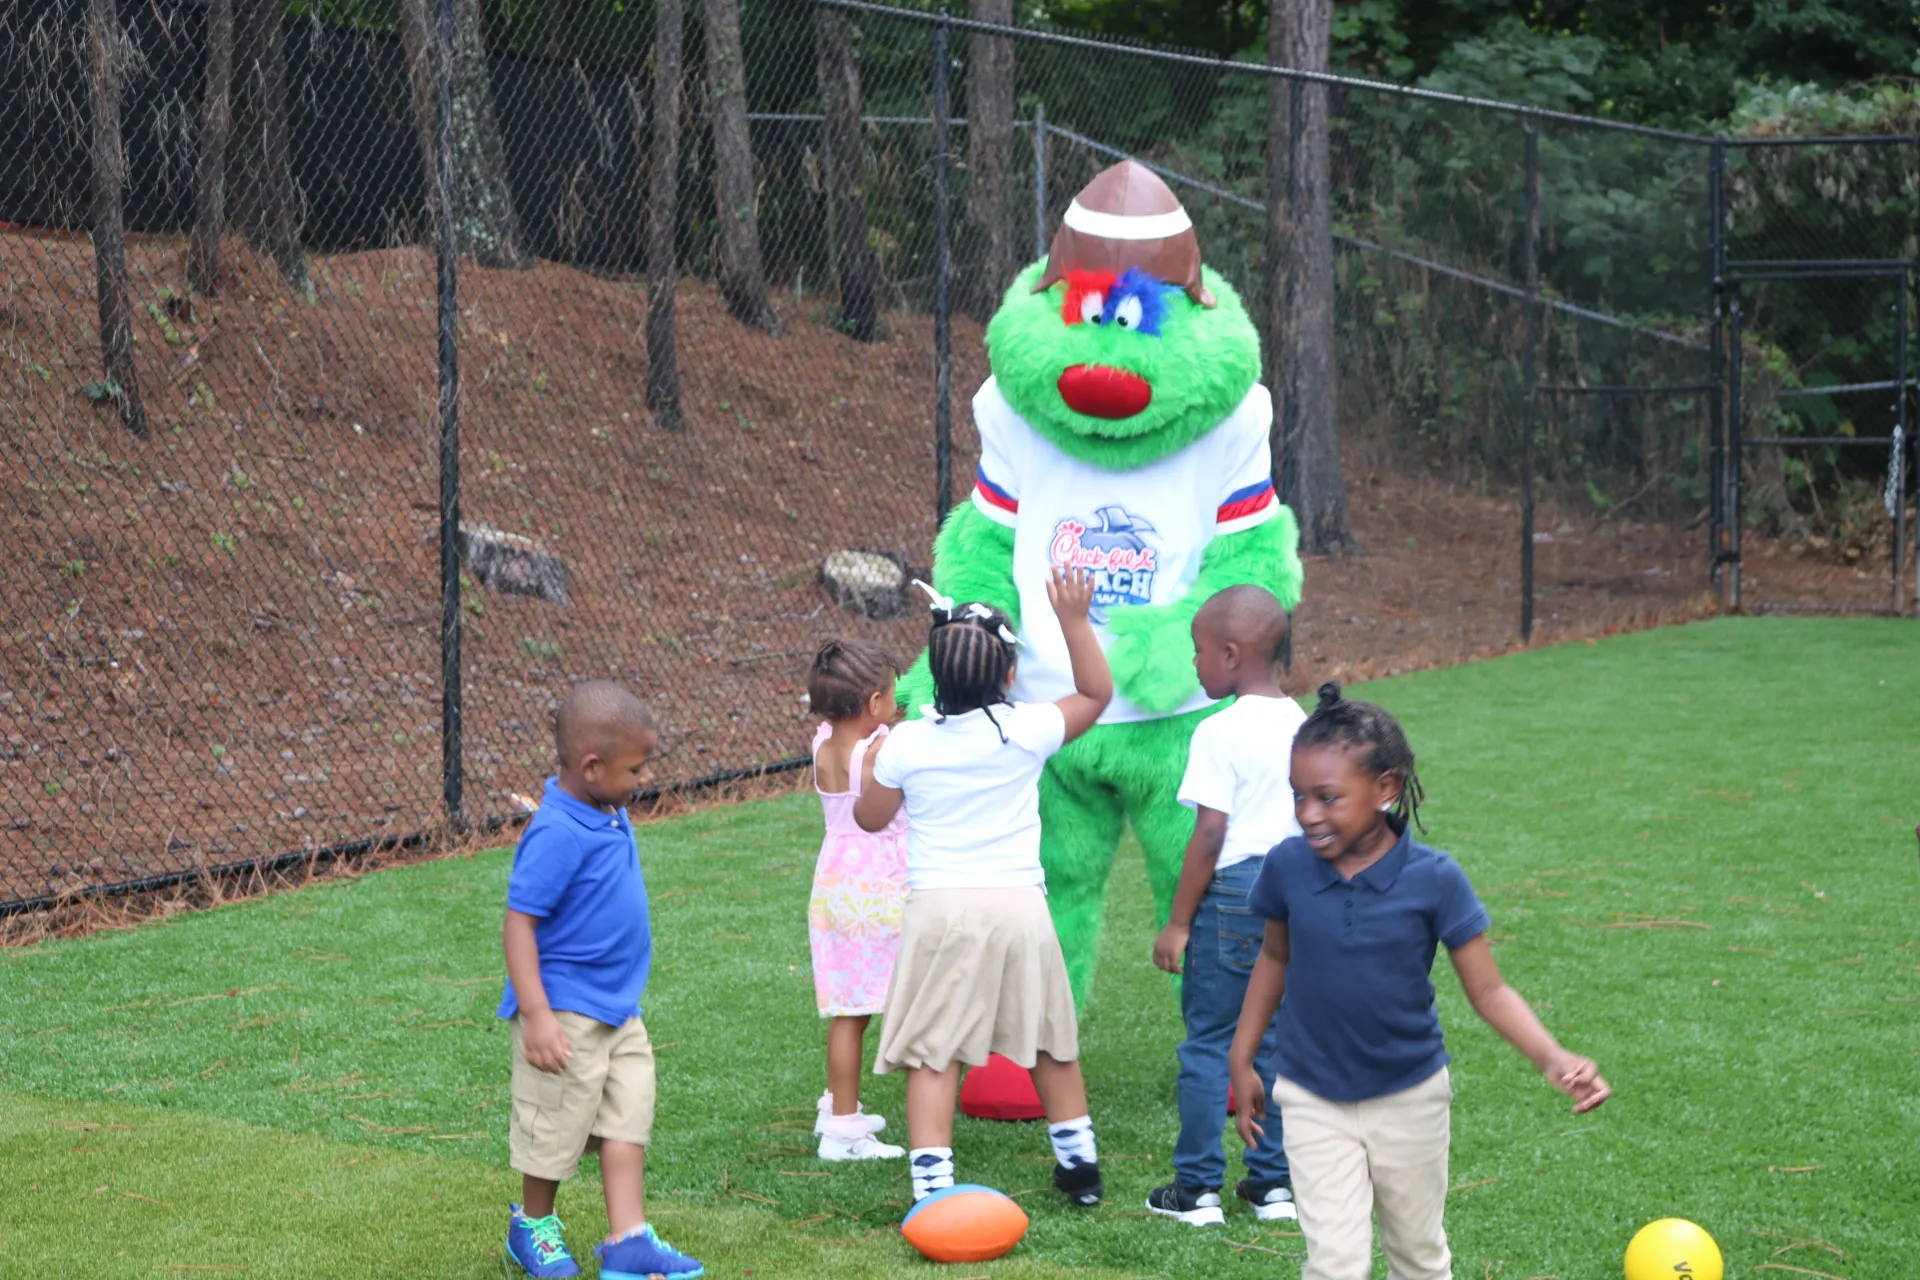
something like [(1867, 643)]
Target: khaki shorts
[(606, 1091)]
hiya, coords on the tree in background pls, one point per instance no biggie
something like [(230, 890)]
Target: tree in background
[(839, 76), (107, 54), (743, 280), (1299, 264), (484, 222), (663, 214), (262, 166), (989, 162), (1680, 63), (216, 124)]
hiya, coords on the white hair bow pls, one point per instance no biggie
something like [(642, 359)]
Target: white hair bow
[(946, 605)]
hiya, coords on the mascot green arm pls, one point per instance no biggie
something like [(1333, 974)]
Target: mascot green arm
[(1152, 650), (972, 560)]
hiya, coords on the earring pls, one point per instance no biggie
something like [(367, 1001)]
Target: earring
[(1387, 807)]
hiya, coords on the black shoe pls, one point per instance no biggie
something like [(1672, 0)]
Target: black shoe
[(1080, 1184), (1270, 1200), (1195, 1206)]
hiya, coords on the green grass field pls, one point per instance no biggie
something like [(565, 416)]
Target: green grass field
[(1697, 845)]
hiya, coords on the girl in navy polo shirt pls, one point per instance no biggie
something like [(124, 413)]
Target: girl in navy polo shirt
[(1355, 909)]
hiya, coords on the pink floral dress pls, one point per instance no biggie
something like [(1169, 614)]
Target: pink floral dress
[(859, 888)]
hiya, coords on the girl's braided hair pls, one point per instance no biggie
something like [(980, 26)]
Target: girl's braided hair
[(845, 674), (969, 652), (1379, 741)]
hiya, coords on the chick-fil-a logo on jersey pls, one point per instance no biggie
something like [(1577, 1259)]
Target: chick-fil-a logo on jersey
[(1113, 550)]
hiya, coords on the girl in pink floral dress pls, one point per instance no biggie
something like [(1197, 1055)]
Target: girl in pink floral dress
[(859, 886)]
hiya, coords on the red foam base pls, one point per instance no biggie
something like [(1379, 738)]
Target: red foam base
[(1001, 1090)]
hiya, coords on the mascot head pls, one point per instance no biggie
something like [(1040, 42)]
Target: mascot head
[(1121, 348)]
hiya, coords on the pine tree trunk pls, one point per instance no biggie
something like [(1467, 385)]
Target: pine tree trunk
[(263, 161), (663, 216), (484, 222), (743, 280), (839, 77), (107, 54), (216, 123), (990, 161), (1300, 317)]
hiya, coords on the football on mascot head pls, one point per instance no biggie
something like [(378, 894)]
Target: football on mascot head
[(1124, 432)]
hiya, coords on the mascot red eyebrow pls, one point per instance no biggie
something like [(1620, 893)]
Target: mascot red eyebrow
[(1124, 430)]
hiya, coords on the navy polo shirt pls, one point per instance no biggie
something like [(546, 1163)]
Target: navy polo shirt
[(1358, 1019), (577, 872)]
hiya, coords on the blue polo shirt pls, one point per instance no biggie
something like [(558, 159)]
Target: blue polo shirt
[(1358, 1019), (577, 872)]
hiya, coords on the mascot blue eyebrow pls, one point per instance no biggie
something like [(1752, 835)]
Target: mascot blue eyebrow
[(1132, 300)]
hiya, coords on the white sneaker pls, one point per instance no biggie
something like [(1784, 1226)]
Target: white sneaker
[(824, 1110), (865, 1147)]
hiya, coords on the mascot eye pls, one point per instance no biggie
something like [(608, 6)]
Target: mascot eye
[(1091, 307), (1127, 314)]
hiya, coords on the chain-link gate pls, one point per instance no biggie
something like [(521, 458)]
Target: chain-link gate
[(1820, 358), (372, 372)]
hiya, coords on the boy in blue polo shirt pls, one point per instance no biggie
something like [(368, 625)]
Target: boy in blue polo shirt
[(1355, 909), (578, 946)]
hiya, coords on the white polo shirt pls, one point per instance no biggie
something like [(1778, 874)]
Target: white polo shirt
[(972, 801), (1241, 765), (1140, 533)]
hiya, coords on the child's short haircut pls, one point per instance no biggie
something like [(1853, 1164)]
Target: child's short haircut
[(1374, 733), (845, 674), (1251, 617), (596, 717), (969, 653)]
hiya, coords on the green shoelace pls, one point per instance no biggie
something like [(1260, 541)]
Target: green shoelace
[(546, 1236)]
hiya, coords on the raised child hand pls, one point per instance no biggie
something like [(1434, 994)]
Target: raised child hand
[(1579, 1078), (1071, 595)]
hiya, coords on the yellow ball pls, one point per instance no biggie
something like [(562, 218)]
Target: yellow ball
[(1672, 1248)]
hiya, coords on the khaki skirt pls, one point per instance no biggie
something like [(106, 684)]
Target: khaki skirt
[(979, 971)]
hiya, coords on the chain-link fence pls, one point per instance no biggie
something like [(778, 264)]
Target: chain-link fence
[(310, 527)]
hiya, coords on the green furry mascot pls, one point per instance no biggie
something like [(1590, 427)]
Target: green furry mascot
[(1123, 431)]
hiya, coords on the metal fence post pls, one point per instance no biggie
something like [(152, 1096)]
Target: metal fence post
[(1039, 180), (1530, 369), (1716, 409), (1897, 464), (452, 773), (942, 272), (1736, 409)]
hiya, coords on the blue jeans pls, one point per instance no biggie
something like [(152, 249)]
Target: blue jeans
[(1221, 948)]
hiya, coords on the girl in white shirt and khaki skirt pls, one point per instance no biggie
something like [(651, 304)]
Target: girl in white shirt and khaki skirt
[(979, 970)]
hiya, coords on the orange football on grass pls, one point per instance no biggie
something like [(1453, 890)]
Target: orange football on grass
[(964, 1223)]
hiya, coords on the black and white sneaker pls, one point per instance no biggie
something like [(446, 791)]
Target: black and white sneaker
[(1080, 1184), (1195, 1206), (1270, 1200)]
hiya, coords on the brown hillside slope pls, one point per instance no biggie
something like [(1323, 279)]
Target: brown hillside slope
[(221, 641)]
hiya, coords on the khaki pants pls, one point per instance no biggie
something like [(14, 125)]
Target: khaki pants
[(606, 1091), (1354, 1160)]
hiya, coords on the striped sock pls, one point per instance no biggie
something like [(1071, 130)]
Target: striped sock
[(932, 1170), (1073, 1142)]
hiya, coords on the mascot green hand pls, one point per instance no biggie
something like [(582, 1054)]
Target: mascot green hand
[(1123, 431)]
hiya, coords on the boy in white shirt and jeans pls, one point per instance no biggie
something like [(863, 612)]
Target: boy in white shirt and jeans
[(1236, 783)]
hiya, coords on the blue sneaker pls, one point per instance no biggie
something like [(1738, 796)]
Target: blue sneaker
[(638, 1257), (536, 1245)]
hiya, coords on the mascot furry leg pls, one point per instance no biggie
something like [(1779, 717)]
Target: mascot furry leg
[(1116, 773)]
